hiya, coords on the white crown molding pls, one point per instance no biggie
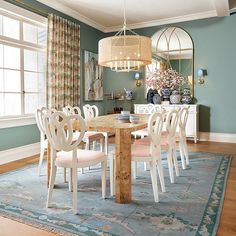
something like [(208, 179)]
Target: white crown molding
[(222, 7), (232, 10), (19, 11), (18, 153), (202, 15), (70, 12), (218, 137)]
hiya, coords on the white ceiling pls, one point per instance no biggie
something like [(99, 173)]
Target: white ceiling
[(107, 15)]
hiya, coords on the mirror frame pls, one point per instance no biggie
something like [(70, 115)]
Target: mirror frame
[(161, 31)]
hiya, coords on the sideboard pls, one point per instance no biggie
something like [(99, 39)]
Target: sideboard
[(192, 129)]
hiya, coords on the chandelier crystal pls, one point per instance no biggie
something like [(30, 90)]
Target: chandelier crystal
[(125, 52)]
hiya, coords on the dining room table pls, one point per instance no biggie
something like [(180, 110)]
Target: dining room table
[(122, 130)]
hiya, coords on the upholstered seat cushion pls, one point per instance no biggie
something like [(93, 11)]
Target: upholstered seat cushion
[(142, 141), (64, 159), (146, 141), (140, 151)]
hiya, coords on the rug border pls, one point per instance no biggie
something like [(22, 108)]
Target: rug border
[(223, 195), (220, 207)]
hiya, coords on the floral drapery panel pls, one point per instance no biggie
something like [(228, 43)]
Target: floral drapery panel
[(63, 66)]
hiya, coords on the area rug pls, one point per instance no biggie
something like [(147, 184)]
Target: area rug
[(191, 206)]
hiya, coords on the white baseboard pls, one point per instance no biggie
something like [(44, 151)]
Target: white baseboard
[(18, 153), (218, 137)]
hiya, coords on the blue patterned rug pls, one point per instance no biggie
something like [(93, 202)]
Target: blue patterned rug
[(191, 206)]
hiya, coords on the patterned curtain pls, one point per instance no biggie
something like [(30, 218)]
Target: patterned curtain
[(63, 66)]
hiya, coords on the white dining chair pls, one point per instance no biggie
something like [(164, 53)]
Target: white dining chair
[(181, 136), (91, 111), (90, 137), (145, 109), (65, 152), (43, 140), (168, 141), (69, 110), (149, 154)]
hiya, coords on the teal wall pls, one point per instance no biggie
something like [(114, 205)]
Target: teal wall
[(215, 50), (18, 136), (89, 37)]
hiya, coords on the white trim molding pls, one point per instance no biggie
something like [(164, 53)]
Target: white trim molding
[(222, 7), (172, 20), (218, 137), (17, 121), (71, 12), (18, 11), (18, 153)]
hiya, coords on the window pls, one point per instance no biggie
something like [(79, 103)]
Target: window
[(22, 64)]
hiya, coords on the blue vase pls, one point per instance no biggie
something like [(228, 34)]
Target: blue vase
[(186, 97), (175, 97), (166, 94), (157, 99)]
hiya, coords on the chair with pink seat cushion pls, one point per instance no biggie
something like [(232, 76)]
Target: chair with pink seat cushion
[(90, 137), (145, 109), (168, 141), (65, 152)]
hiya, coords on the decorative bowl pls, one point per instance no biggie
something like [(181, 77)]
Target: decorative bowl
[(134, 119), (125, 113)]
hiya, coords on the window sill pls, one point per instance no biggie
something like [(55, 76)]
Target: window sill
[(16, 121)]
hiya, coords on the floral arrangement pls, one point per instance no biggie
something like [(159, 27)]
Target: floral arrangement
[(165, 79)]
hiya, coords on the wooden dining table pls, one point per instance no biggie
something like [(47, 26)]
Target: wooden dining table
[(122, 130)]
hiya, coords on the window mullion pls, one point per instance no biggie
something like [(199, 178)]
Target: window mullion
[(22, 71)]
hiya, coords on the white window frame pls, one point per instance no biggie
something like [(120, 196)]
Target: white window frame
[(22, 15)]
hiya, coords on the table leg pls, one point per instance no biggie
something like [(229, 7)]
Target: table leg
[(123, 166), (49, 161)]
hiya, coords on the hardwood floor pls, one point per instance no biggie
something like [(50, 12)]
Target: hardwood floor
[(227, 225)]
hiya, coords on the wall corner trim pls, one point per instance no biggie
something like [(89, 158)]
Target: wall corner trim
[(218, 137), (18, 153)]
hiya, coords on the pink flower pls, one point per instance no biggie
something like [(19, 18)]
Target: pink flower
[(165, 79)]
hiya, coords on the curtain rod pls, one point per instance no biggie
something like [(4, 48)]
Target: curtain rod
[(28, 7)]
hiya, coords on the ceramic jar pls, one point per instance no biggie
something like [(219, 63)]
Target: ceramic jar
[(157, 98), (150, 95), (128, 94), (175, 97), (166, 94), (186, 97)]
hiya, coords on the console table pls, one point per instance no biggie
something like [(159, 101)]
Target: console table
[(192, 127)]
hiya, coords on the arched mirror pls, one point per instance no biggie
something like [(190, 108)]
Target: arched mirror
[(172, 47)]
